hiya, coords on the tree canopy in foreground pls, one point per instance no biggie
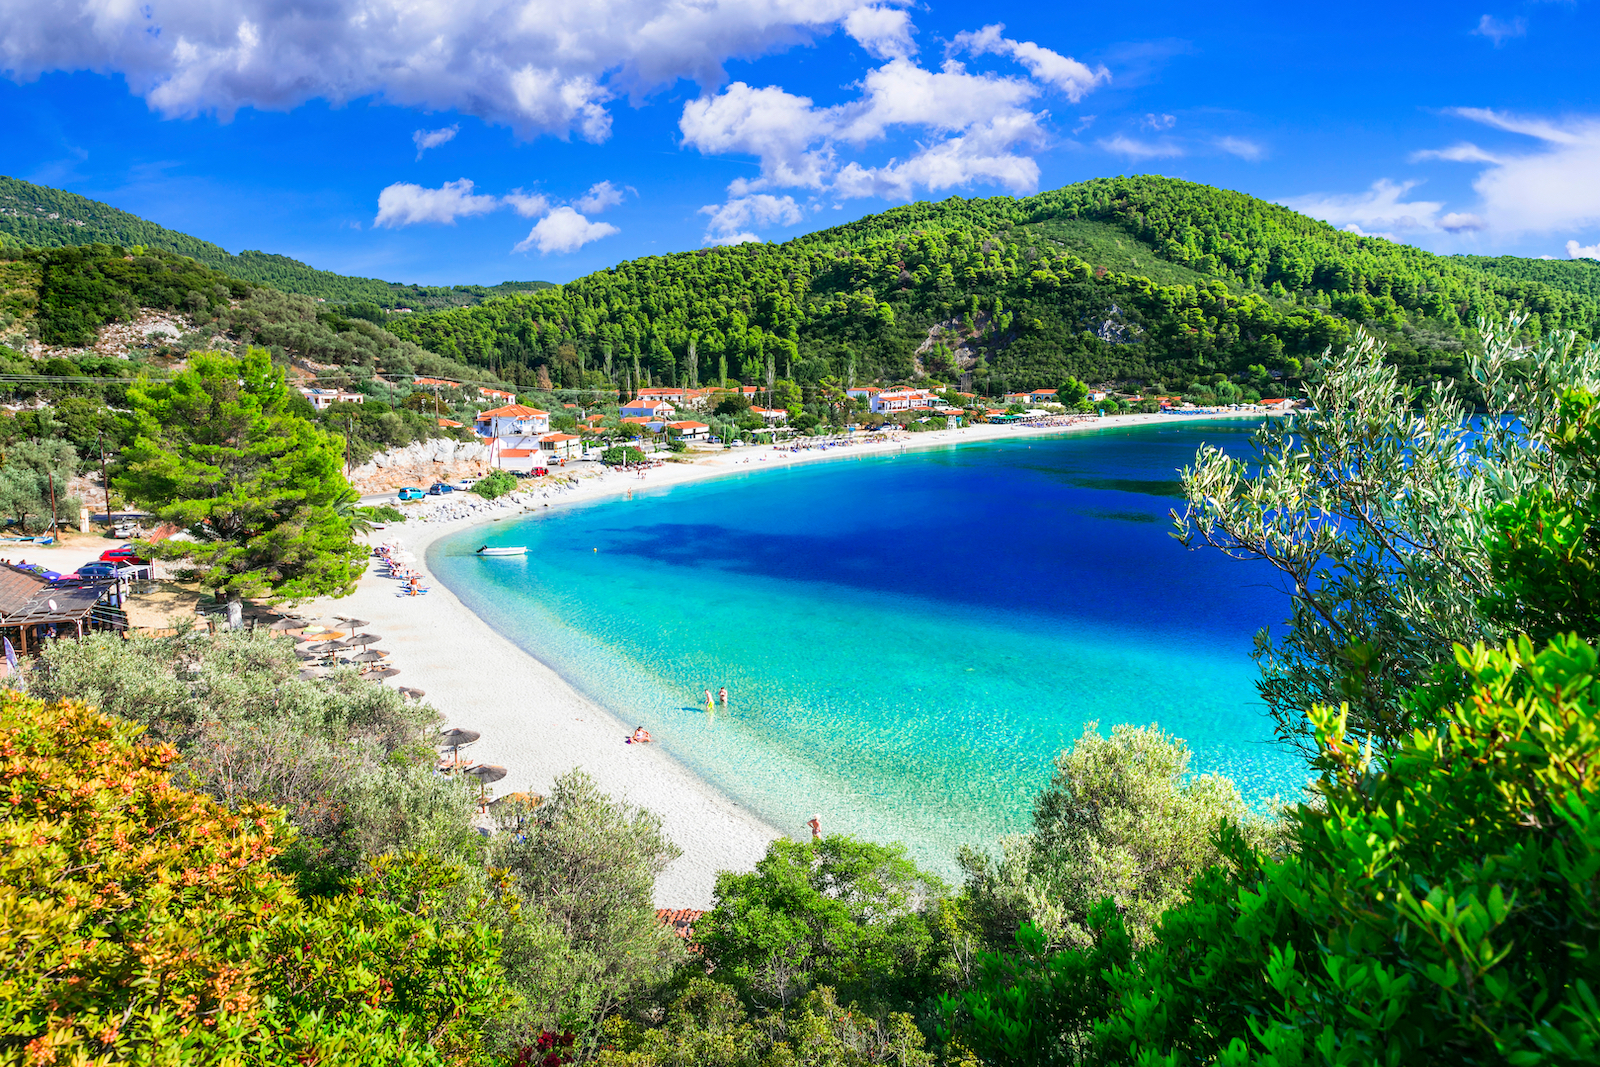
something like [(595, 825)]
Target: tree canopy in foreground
[(219, 451)]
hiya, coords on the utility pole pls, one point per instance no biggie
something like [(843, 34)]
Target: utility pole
[(53, 516), (105, 483)]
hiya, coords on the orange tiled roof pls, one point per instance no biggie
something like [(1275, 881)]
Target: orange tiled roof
[(681, 920), (513, 411)]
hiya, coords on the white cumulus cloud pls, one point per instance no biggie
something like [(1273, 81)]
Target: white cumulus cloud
[(528, 205), (539, 66), (1246, 150), (972, 127), (734, 221), (426, 139), (1073, 78), (1577, 251), (405, 204), (1465, 152), (884, 32), (1382, 206), (600, 196), (1133, 148), (1498, 31), (1462, 222), (1551, 188), (564, 230)]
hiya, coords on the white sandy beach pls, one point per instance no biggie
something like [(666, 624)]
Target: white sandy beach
[(538, 726)]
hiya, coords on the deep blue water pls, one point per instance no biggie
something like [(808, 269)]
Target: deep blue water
[(909, 640)]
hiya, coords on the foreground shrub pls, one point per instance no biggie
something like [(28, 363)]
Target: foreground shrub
[(619, 455), (708, 1027), (1122, 818), (849, 914), (495, 485), (143, 923), (1441, 908)]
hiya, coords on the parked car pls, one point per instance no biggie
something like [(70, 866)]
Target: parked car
[(125, 554), (540, 472), (466, 483), (100, 569), (412, 492), (439, 489)]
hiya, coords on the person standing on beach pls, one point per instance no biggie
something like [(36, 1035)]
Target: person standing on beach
[(816, 827), (723, 695)]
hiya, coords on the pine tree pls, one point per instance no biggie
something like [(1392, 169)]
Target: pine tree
[(218, 451)]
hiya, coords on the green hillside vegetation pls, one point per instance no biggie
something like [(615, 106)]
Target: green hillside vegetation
[(1148, 281), (63, 296), (1581, 276), (37, 216)]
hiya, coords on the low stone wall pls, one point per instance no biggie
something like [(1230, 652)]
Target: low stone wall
[(421, 464)]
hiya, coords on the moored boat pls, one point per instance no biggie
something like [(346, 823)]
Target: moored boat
[(503, 550)]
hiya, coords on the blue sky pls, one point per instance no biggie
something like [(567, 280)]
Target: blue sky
[(485, 140)]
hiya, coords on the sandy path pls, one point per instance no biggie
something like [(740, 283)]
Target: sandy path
[(538, 726)]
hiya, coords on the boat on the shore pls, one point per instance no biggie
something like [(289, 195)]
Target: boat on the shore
[(503, 550)]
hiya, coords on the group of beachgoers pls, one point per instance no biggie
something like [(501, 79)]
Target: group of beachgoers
[(391, 554), (641, 736)]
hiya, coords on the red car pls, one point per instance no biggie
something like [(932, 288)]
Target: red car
[(125, 554)]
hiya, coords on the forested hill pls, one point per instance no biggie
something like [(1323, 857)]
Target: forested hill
[(40, 217), (1574, 275), (1146, 280)]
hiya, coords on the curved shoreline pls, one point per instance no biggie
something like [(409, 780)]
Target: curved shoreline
[(538, 725)]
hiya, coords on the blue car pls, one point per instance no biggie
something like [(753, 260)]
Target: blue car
[(412, 493), (440, 489)]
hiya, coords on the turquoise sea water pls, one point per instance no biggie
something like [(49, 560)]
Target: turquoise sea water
[(908, 640)]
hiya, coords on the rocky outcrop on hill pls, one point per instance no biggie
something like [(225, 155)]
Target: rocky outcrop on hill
[(422, 464)]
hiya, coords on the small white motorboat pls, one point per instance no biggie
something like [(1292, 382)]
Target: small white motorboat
[(504, 550)]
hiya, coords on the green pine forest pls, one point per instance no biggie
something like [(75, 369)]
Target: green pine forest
[(1146, 281), (37, 216)]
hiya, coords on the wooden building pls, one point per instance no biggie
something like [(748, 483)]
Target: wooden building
[(34, 609)]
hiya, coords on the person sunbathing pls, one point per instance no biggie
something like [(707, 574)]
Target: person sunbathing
[(641, 736)]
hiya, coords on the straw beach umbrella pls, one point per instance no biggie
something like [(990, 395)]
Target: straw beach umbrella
[(365, 639), (368, 657), (354, 624), (454, 738), (288, 622), (484, 773), (387, 672)]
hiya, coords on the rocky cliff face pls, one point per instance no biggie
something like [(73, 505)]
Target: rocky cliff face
[(421, 464)]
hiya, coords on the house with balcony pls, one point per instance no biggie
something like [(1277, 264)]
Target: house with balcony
[(690, 430), (560, 446), (657, 410), (322, 399), (889, 401), (513, 420)]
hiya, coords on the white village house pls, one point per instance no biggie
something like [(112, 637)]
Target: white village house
[(322, 399), (649, 409), (513, 420)]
